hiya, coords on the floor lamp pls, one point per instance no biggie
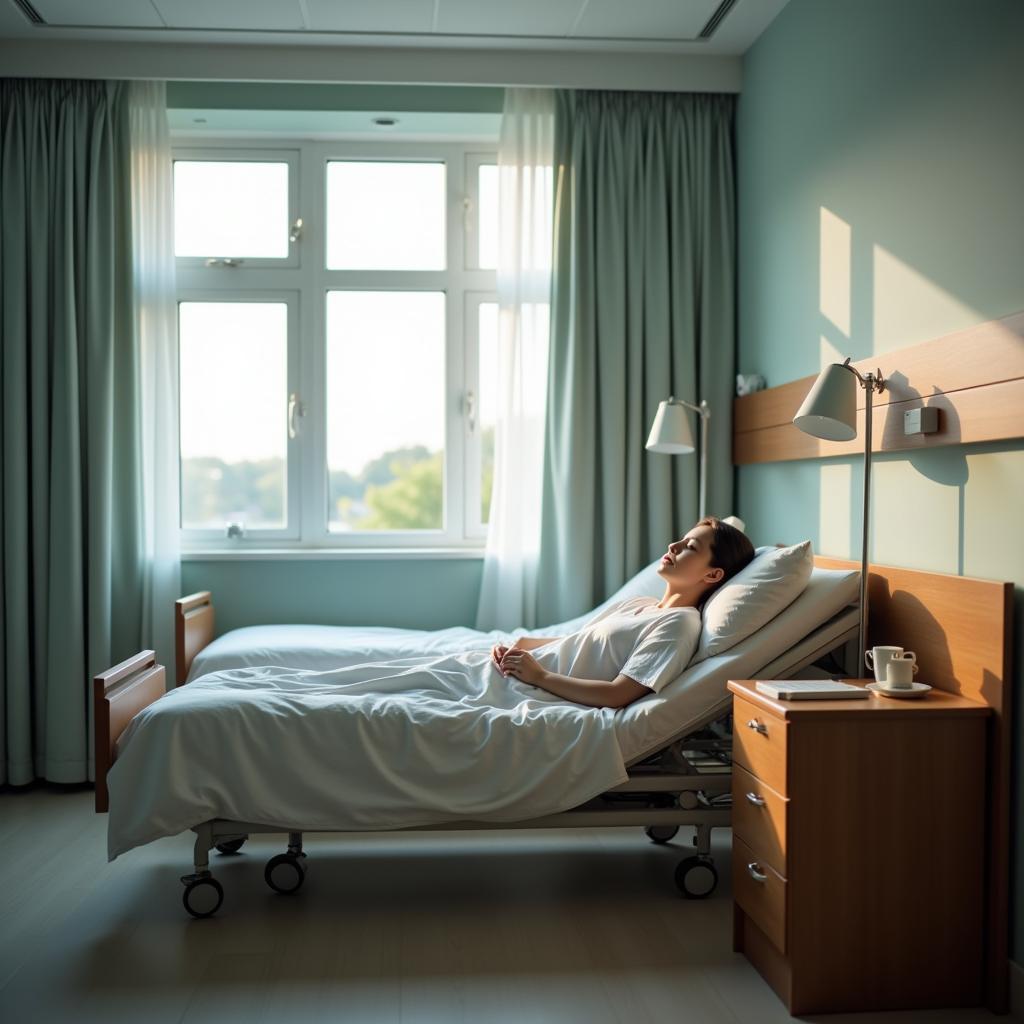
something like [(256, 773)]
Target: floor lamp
[(830, 412), (671, 435)]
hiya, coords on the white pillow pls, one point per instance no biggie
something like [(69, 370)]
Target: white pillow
[(753, 597)]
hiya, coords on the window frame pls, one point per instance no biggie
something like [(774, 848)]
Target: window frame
[(290, 531), (309, 280), (215, 154)]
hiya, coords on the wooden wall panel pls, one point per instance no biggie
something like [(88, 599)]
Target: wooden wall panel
[(975, 378)]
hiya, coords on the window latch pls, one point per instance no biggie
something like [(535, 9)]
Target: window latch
[(469, 409), (227, 261), (296, 408), (296, 230)]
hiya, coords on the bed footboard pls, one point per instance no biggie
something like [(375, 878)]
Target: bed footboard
[(118, 695), (193, 630)]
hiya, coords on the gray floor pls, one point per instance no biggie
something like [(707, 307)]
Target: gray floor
[(559, 926)]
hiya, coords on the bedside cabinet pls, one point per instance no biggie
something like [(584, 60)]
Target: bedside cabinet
[(859, 849)]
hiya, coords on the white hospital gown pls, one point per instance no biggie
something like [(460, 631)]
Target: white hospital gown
[(633, 638)]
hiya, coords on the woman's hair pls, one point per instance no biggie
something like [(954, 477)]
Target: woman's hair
[(731, 550)]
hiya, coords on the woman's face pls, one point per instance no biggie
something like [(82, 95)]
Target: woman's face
[(688, 560)]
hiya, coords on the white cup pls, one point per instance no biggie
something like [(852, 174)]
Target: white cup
[(900, 671), (879, 657)]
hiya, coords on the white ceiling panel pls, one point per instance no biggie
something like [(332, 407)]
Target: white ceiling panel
[(502, 18), (360, 16), (273, 15), (127, 13), (645, 19)]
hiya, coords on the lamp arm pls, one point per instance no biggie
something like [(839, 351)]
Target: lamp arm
[(703, 410), (872, 382)]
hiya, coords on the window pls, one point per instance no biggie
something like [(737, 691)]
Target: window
[(337, 344)]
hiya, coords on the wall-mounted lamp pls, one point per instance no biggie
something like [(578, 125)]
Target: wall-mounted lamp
[(830, 412), (671, 435)]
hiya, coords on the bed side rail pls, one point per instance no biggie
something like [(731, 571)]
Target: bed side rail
[(193, 630), (118, 695)]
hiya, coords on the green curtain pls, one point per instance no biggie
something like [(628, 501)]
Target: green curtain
[(71, 552), (642, 306)]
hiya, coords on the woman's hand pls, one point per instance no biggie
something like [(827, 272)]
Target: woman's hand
[(522, 666), (498, 652)]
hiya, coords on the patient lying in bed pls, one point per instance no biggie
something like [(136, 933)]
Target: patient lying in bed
[(636, 646)]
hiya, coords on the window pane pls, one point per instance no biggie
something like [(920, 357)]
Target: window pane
[(385, 216), (231, 208), (488, 389), (385, 410), (234, 383), (487, 221)]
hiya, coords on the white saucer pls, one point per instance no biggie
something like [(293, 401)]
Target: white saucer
[(906, 692)]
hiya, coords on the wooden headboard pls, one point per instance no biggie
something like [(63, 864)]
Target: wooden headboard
[(961, 630), (193, 630)]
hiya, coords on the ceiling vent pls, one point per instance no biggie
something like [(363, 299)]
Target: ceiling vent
[(29, 11), (716, 19)]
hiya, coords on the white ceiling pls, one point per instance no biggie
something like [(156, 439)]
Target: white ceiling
[(663, 26)]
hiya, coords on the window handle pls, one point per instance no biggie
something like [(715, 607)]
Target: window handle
[(227, 261), (469, 408), (296, 408), (296, 232)]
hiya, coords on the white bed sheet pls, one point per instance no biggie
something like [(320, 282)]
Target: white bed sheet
[(415, 742)]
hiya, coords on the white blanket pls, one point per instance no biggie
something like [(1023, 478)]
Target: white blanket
[(382, 746)]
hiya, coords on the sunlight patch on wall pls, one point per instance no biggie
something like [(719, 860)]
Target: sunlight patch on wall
[(834, 510), (995, 489), (910, 308), (834, 269)]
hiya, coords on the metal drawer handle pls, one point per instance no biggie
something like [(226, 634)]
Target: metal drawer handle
[(757, 801), (755, 872), (758, 726)]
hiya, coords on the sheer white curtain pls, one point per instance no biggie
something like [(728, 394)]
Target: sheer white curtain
[(525, 197), (156, 337)]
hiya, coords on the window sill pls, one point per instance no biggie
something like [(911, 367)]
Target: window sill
[(329, 554)]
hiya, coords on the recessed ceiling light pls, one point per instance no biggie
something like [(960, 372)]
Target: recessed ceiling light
[(385, 122)]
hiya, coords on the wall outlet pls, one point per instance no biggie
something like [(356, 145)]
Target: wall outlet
[(924, 420)]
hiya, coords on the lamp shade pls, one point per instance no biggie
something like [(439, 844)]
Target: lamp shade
[(830, 409), (671, 431)]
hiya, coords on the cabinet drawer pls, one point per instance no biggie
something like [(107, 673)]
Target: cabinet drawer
[(759, 743), (759, 817), (761, 891)]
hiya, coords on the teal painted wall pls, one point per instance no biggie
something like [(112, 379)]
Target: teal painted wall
[(881, 203), (415, 593)]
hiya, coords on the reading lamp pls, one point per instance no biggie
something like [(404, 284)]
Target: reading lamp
[(671, 435), (830, 412)]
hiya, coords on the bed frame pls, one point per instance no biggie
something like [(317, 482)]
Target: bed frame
[(960, 628)]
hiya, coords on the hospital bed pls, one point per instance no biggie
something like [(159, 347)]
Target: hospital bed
[(676, 744)]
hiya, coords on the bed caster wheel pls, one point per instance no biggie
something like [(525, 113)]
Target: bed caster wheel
[(203, 897), (696, 877), (661, 833), (232, 845), (285, 873)]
